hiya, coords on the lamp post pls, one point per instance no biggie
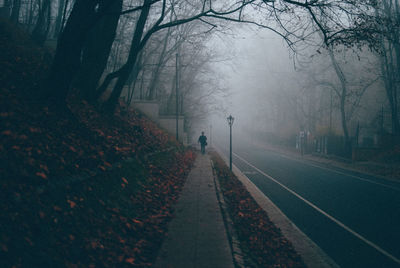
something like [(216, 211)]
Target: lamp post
[(230, 122), (210, 135), (176, 94)]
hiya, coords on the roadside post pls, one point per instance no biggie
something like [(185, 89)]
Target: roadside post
[(230, 122)]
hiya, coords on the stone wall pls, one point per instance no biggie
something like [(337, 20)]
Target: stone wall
[(151, 109)]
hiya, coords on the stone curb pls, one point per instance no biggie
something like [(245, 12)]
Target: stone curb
[(234, 243), (312, 255)]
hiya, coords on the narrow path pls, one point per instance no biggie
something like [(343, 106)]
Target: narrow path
[(196, 235)]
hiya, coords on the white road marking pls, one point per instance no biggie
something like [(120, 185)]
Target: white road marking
[(342, 173), (365, 240)]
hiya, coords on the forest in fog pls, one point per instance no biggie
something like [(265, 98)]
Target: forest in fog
[(103, 107), (284, 67)]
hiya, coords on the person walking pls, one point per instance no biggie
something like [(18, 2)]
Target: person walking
[(203, 142)]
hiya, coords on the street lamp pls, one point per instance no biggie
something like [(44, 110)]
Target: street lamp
[(230, 122), (176, 94)]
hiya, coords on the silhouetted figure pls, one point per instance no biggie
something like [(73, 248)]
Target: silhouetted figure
[(203, 142)]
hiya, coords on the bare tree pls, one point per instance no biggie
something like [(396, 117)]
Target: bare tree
[(5, 9), (273, 15), (388, 13), (61, 5), (16, 8), (97, 48), (67, 59), (42, 27)]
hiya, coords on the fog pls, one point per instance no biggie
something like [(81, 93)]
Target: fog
[(262, 67), (274, 92)]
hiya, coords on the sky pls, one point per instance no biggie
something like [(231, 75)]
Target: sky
[(260, 66)]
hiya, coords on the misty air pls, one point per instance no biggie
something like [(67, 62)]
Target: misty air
[(199, 133)]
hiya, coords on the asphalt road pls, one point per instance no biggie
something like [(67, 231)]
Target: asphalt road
[(353, 217)]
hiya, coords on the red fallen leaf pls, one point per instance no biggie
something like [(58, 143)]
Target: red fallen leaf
[(5, 114), (72, 204), (6, 132), (71, 237), (34, 130), (44, 167), (42, 214), (93, 244), (72, 148), (138, 222), (27, 239), (130, 260), (57, 208), (23, 137), (41, 174), (4, 248), (102, 168), (125, 180)]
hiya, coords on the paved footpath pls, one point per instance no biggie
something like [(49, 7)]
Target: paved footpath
[(196, 235)]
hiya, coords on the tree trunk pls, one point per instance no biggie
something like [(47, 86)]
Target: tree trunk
[(59, 18), (31, 11), (133, 54), (97, 50), (5, 9), (342, 96), (157, 70), (67, 59), (39, 33), (390, 73), (15, 11)]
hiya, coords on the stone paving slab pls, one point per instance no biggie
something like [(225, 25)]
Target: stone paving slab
[(196, 235)]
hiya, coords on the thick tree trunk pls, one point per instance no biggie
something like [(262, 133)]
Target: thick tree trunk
[(5, 9), (97, 50), (15, 11), (39, 33), (125, 71), (31, 12), (59, 18), (67, 59)]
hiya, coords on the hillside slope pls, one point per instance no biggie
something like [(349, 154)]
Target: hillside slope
[(78, 189)]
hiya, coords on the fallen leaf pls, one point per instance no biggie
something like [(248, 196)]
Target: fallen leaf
[(130, 260), (71, 203), (41, 174)]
